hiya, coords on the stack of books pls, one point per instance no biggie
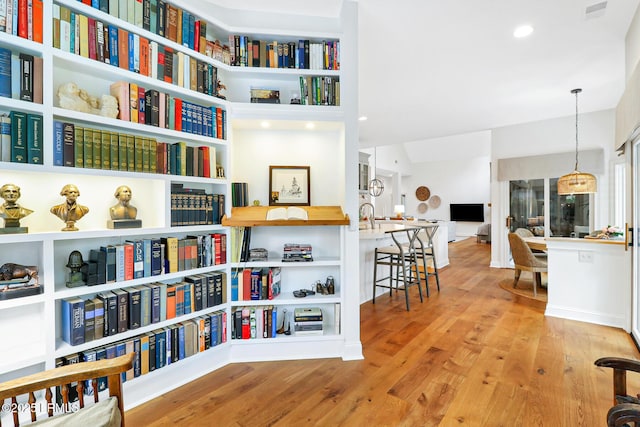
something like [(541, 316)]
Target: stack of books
[(265, 96), (258, 254), (296, 252), (307, 321)]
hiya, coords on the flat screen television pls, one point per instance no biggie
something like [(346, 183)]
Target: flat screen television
[(471, 212)]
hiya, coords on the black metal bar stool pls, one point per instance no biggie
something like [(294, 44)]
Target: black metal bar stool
[(426, 254), (402, 261)]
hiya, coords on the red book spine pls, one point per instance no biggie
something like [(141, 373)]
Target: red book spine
[(92, 38), (196, 37), (128, 262), (219, 122), (206, 168), (23, 15), (178, 115)]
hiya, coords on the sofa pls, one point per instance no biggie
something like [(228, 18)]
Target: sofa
[(484, 233)]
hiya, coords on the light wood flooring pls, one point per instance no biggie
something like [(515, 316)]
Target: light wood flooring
[(473, 354)]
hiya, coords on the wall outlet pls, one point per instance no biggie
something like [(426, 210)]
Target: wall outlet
[(585, 256)]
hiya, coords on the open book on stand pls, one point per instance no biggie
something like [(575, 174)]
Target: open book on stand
[(291, 212)]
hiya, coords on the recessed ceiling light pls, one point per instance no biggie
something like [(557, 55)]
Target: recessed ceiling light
[(522, 31), (265, 124), (310, 125), (362, 118)]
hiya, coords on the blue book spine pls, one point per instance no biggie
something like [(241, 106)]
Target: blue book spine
[(121, 349), (95, 4), (181, 353), (187, 299), (168, 346), (101, 353), (15, 17), (73, 321), (113, 45), (72, 33), (224, 125), (234, 286), (192, 30), (155, 303), (185, 29), (153, 13), (213, 327), (156, 257), (138, 259), (131, 52), (161, 349), (5, 72), (146, 249), (274, 321)]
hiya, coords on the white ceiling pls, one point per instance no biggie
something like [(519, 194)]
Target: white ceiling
[(434, 68)]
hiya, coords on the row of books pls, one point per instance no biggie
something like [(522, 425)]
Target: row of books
[(84, 147), (162, 18), (239, 194), (112, 312), (255, 322), (21, 137), (20, 76), (159, 109), (91, 38), (295, 252), (194, 206), (255, 284), (154, 350), (317, 90), (22, 18), (135, 259), (300, 54)]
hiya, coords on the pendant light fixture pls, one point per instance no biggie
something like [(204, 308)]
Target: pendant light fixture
[(577, 182), (376, 186)]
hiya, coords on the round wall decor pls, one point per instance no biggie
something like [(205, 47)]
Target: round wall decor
[(422, 193), (422, 207), (434, 202)]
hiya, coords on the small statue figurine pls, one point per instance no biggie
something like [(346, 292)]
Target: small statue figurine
[(10, 211), (71, 97), (70, 211), (123, 214), (18, 281), (75, 263)]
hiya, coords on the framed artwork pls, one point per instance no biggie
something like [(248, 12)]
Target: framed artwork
[(289, 185)]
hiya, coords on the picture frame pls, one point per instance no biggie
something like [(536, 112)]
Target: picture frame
[(289, 186)]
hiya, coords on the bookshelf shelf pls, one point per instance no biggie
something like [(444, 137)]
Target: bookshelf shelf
[(255, 216), (333, 145)]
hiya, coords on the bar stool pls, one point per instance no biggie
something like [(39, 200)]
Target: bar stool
[(425, 252), (402, 262)]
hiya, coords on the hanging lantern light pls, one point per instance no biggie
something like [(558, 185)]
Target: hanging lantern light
[(376, 186), (577, 182)]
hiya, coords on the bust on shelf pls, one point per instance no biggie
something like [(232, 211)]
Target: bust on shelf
[(123, 214), (70, 211), (10, 211)]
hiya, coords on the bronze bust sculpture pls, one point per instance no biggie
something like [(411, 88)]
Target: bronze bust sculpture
[(123, 214), (10, 211), (123, 210), (70, 211)]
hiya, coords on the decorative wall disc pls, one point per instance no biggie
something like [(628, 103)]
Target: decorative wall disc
[(422, 207), (422, 193), (434, 202)]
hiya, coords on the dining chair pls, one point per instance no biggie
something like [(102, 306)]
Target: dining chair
[(524, 259)]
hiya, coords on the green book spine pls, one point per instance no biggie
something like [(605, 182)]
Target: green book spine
[(146, 142), (122, 151), (131, 153), (153, 158), (79, 146), (114, 151), (182, 147), (138, 143), (106, 149), (34, 139), (97, 149), (18, 136), (88, 148)]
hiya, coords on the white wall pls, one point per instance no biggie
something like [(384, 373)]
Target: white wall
[(454, 181)]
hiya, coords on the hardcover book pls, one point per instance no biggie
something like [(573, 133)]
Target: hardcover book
[(18, 136), (72, 316), (34, 139)]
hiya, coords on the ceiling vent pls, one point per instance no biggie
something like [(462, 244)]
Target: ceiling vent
[(595, 10)]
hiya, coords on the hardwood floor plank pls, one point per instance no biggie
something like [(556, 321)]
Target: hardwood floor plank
[(472, 354)]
